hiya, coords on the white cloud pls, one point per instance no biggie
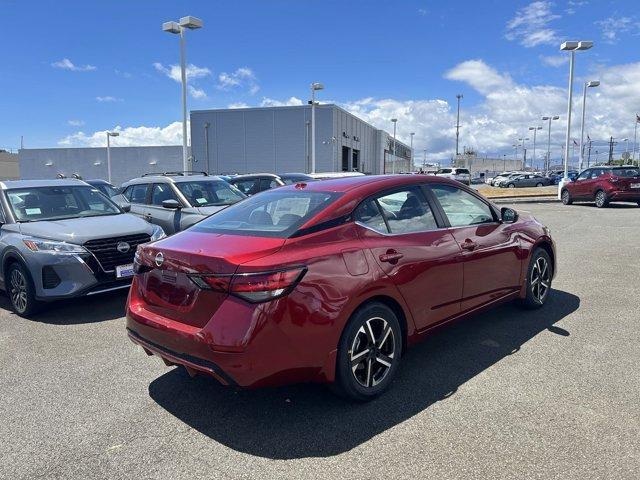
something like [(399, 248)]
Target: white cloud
[(531, 25), (123, 74), (423, 12), (192, 71), (129, 136), (613, 26), (75, 123), (242, 77), (66, 64), (554, 60), (504, 113), (196, 93), (107, 99), (238, 105), (270, 102)]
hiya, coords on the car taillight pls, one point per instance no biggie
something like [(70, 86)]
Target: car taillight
[(253, 287), (614, 179)]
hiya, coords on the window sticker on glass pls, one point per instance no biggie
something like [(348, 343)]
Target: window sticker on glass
[(201, 200), (32, 211)]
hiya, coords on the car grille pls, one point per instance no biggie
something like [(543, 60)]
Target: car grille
[(106, 250)]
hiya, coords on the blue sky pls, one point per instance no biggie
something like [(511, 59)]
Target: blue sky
[(82, 66)]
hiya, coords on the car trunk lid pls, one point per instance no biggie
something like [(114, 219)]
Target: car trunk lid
[(166, 286)]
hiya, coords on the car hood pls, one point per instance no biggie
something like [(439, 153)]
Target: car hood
[(210, 210), (81, 230)]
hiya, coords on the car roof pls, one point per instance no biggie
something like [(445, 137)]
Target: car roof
[(170, 179), (97, 181), (254, 175), (55, 182)]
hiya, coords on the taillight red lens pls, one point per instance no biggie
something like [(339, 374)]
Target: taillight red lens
[(253, 287), (265, 286)]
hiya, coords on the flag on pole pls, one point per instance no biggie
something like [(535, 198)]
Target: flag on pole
[(575, 143), (588, 138), (637, 118)]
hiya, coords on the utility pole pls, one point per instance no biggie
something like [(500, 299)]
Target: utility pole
[(458, 96), (589, 155), (610, 151)]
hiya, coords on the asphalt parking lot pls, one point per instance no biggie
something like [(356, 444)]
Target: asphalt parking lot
[(553, 393)]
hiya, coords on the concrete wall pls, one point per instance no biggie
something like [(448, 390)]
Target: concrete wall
[(91, 163), (488, 166), (9, 166)]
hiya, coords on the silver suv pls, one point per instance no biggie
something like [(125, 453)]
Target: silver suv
[(63, 238), (177, 200)]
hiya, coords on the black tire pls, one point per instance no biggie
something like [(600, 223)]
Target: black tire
[(511, 185), (538, 280), (638, 202), (601, 199), (356, 371), (538, 184), (565, 196), (21, 292)]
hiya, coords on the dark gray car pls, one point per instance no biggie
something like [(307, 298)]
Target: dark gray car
[(177, 200), (526, 180), (63, 238)]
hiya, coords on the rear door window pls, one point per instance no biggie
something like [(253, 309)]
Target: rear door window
[(161, 192), (136, 193)]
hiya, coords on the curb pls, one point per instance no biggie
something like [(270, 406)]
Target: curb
[(553, 199)]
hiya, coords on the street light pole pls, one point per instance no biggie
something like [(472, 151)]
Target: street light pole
[(109, 135), (586, 85), (458, 96), (548, 160), (191, 23), (535, 132), (412, 162), (393, 159), (315, 86), (571, 47), (635, 137)]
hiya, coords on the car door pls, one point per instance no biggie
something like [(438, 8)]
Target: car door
[(420, 258), (167, 218), (490, 250), (137, 196), (580, 187)]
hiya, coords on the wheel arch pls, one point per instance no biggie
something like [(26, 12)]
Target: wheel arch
[(396, 308), (546, 245), (9, 257)]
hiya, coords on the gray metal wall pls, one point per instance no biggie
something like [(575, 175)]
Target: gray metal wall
[(278, 140), (91, 163)]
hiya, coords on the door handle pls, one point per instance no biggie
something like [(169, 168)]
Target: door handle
[(391, 256), (468, 245)]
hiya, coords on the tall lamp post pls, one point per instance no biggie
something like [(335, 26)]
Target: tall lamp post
[(548, 160), (315, 86), (570, 46), (635, 137), (109, 135), (592, 84), (393, 159), (458, 96), (535, 132), (524, 152), (412, 167), (178, 28)]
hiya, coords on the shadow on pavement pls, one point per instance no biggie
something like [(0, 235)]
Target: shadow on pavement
[(98, 308), (309, 421)]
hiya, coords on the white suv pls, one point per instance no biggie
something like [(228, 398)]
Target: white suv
[(460, 174)]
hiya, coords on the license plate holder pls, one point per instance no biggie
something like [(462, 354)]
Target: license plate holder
[(635, 185), (124, 271)]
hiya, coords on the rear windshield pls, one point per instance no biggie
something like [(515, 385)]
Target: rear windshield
[(463, 170), (444, 170), (626, 172), (207, 193), (273, 213)]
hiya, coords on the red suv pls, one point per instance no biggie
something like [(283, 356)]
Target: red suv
[(331, 281), (603, 185)]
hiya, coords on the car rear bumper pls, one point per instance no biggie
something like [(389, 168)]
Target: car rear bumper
[(243, 344), (625, 195)]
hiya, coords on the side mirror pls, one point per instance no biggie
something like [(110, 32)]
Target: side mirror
[(171, 204), (508, 215), (126, 207)]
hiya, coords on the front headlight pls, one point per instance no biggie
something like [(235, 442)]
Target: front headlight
[(158, 233), (50, 246)]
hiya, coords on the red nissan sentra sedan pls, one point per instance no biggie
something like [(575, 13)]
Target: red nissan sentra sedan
[(331, 281)]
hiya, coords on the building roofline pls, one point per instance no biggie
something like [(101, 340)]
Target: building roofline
[(96, 148)]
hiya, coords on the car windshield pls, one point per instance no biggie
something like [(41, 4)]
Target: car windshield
[(56, 203), (208, 193), (626, 172), (444, 170), (271, 213), (106, 188)]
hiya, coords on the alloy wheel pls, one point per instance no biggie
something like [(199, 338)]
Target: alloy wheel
[(511, 185), (540, 280), (372, 352), (18, 290), (600, 199), (565, 197)]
